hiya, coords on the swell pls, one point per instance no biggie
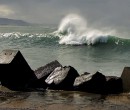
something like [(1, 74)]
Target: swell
[(118, 41), (53, 38), (27, 40)]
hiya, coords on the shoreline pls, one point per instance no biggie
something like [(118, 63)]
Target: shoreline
[(65, 100)]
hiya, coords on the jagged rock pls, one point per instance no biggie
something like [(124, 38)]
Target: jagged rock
[(81, 79), (93, 83), (126, 79), (62, 78), (113, 85), (43, 72), (15, 74)]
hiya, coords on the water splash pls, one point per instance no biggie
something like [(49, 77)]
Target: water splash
[(73, 30)]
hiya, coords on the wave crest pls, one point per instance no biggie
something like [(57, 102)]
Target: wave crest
[(73, 30)]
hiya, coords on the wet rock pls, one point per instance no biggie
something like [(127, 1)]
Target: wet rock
[(62, 78), (43, 72), (81, 79), (113, 85), (15, 74), (126, 79), (93, 83)]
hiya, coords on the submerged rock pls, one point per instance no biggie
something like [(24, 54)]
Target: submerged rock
[(93, 83), (43, 72), (62, 78)]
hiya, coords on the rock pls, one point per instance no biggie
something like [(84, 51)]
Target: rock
[(113, 85), (15, 74), (81, 79), (126, 79), (93, 83), (62, 78), (43, 72)]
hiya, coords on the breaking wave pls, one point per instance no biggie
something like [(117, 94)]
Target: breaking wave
[(73, 30)]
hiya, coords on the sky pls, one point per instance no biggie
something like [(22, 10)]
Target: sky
[(98, 13)]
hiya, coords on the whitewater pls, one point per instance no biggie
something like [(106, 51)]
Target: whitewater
[(73, 30), (73, 42)]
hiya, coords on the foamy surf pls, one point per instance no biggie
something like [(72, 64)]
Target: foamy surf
[(73, 30), (20, 35)]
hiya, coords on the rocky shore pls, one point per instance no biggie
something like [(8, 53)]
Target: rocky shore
[(54, 86)]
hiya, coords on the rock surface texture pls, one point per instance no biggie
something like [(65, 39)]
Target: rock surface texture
[(62, 78)]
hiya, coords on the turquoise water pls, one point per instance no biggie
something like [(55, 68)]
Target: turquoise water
[(40, 45)]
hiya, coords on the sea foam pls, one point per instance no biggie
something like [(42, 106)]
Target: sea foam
[(17, 35)]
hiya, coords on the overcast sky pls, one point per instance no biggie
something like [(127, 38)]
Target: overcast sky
[(99, 13)]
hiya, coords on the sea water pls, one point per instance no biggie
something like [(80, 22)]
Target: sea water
[(71, 42)]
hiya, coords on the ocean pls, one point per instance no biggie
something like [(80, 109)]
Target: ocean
[(71, 43)]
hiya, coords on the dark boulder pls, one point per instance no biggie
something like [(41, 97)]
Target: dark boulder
[(15, 73), (113, 85), (126, 79), (62, 78), (43, 72), (93, 83)]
